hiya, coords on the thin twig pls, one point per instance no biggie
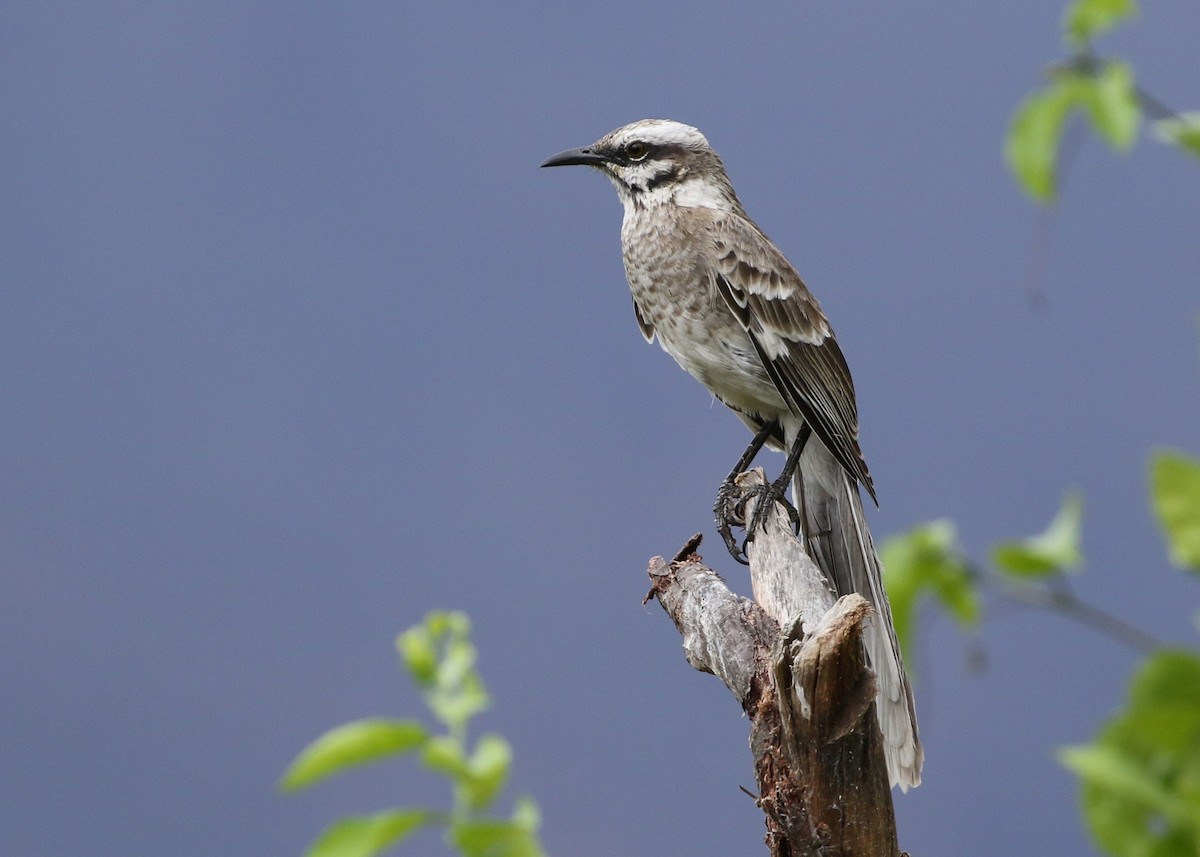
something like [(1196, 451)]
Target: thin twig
[(1068, 604), (1154, 108)]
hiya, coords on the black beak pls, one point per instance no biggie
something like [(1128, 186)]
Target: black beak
[(586, 156)]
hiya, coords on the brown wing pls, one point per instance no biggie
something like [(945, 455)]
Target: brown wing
[(792, 337)]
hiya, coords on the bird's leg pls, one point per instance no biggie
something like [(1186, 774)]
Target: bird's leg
[(776, 492), (726, 495)]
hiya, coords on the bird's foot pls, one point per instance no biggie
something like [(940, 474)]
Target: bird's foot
[(730, 511), (767, 495)]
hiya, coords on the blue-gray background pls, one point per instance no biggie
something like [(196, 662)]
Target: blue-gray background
[(297, 343)]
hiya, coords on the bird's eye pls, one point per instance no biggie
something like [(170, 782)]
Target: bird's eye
[(637, 150)]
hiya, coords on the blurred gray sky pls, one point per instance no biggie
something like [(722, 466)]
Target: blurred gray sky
[(297, 343)]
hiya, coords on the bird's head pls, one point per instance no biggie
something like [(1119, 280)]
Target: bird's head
[(656, 161)]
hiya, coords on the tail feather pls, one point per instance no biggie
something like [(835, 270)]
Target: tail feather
[(836, 534)]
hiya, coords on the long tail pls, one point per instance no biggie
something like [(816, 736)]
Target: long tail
[(836, 535)]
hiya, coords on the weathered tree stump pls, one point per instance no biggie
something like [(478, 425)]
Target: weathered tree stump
[(795, 662)]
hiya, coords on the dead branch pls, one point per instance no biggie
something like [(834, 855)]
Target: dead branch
[(795, 663)]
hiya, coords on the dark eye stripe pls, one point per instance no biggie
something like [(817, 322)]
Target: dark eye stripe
[(662, 178)]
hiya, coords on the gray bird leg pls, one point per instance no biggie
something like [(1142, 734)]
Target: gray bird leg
[(727, 495), (777, 491)]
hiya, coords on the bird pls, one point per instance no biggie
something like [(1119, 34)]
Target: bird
[(723, 301)]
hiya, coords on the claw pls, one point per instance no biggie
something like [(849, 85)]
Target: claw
[(776, 492), (729, 506), (728, 513)]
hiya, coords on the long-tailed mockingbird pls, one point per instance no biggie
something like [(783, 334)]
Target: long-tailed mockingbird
[(725, 303)]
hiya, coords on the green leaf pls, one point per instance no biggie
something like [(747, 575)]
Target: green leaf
[(1113, 105), (1175, 491), (457, 706), (1164, 703), (352, 744), (454, 623), (526, 814), (490, 838), (460, 694), (419, 646), (445, 754), (1127, 809), (1034, 135), (489, 766), (1117, 773), (1182, 130), (419, 652), (367, 835), (1117, 826), (1140, 778), (441, 658), (926, 559), (1084, 20), (1052, 552), (457, 665)]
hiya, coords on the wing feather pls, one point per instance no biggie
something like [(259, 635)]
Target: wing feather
[(792, 336), (644, 326)]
